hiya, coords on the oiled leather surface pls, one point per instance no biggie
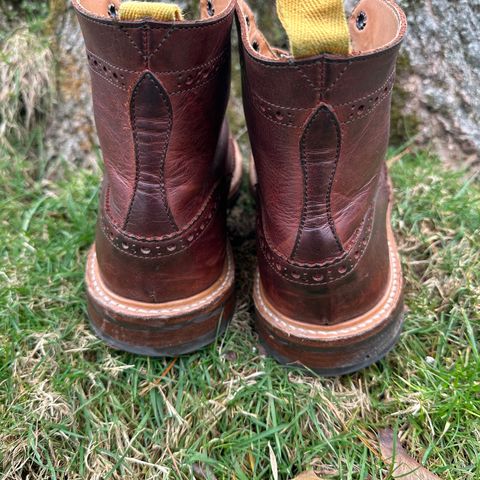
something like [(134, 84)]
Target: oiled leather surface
[(160, 92), (340, 290), (151, 119), (319, 150), (319, 131)]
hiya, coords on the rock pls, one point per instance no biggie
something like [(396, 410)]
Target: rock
[(438, 86), (442, 76), (70, 133)]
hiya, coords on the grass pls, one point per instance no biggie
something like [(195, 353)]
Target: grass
[(72, 408), (27, 76)]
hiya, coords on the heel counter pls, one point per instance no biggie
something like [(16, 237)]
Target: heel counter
[(335, 290), (161, 269)]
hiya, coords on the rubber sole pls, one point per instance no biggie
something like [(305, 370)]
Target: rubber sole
[(159, 330), (336, 349)]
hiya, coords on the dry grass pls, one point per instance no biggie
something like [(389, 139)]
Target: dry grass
[(27, 83), (72, 408)]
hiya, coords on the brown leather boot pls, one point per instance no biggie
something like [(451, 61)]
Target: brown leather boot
[(328, 293), (160, 276)]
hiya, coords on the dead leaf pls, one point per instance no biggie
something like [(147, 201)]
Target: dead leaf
[(261, 350), (203, 472), (404, 466), (230, 356), (251, 461), (310, 475)]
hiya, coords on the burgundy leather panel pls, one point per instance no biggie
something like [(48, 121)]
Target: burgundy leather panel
[(199, 116), (275, 148), (115, 43), (112, 119), (289, 78), (165, 245), (210, 36), (323, 272), (349, 79), (151, 120), (364, 150), (171, 267), (320, 150)]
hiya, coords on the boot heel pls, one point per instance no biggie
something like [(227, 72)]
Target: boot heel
[(163, 329), (336, 349)]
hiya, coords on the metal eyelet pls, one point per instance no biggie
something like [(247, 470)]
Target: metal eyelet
[(210, 8), (361, 20), (112, 11)]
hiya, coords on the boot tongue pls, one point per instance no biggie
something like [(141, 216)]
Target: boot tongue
[(163, 12), (315, 26)]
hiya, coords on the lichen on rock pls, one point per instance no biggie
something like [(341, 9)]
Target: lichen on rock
[(443, 85)]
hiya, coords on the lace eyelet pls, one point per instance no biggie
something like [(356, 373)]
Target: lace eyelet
[(210, 8), (361, 20), (112, 11)]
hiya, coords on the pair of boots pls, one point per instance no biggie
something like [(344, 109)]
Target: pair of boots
[(160, 277)]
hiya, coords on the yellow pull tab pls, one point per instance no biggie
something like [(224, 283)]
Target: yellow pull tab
[(135, 10), (315, 26)]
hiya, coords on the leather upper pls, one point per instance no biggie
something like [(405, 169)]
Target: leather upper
[(160, 92), (319, 130)]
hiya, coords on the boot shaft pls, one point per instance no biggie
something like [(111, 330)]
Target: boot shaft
[(160, 91), (319, 130)]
